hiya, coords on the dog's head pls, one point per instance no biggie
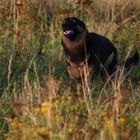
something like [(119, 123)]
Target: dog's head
[(72, 28)]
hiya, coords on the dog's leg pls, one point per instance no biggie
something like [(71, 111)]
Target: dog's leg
[(109, 66)]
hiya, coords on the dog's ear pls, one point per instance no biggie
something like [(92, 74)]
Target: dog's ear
[(83, 24), (80, 22)]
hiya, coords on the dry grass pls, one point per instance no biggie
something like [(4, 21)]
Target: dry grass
[(38, 100)]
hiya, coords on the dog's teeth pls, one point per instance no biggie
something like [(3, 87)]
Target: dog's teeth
[(68, 32)]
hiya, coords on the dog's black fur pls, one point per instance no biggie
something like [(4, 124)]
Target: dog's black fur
[(81, 46)]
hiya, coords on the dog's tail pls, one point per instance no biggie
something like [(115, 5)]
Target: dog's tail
[(132, 61)]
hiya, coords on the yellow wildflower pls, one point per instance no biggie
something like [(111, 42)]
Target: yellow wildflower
[(121, 119), (111, 126), (106, 114), (42, 130), (15, 124), (44, 104), (43, 109), (36, 109)]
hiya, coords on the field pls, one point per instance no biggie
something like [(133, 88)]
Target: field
[(38, 100)]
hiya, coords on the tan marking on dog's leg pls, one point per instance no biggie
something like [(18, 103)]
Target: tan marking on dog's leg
[(109, 60), (105, 75)]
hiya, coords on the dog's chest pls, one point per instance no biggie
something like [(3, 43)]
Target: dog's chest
[(73, 46), (75, 53)]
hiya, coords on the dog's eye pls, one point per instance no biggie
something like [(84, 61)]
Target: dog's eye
[(73, 20)]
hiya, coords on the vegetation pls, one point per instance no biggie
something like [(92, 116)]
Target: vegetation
[(38, 100)]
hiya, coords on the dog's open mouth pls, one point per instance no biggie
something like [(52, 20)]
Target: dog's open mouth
[(68, 31)]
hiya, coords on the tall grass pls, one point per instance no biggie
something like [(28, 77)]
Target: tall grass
[(38, 100)]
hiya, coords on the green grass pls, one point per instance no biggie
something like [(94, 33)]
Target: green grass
[(38, 100)]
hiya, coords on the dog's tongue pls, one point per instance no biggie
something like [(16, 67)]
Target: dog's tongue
[(68, 32)]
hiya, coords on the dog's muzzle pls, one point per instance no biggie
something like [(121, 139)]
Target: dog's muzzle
[(67, 32)]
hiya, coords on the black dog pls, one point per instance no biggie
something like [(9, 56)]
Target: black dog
[(87, 52)]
